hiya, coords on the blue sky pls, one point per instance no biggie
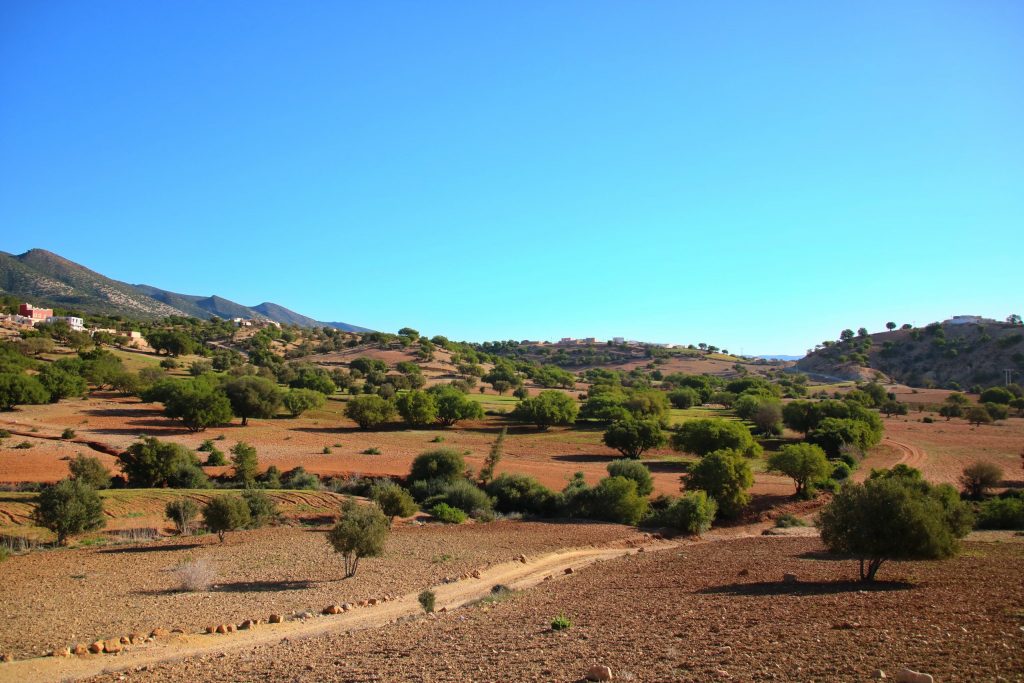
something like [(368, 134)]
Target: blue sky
[(749, 174)]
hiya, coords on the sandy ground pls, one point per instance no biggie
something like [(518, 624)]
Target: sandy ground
[(710, 611), (59, 597)]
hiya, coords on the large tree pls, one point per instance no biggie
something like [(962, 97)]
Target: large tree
[(359, 533), (454, 406), (725, 475), (550, 407), (417, 408), (803, 463), (151, 463), (199, 403), (369, 410), (69, 507), (18, 389), (704, 435), (253, 396), (632, 437)]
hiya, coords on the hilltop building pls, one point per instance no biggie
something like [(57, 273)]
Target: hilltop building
[(74, 322), (968, 320)]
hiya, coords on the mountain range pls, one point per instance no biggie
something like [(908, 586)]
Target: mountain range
[(44, 278)]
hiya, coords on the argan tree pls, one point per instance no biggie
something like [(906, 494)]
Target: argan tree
[(226, 513), (359, 533), (803, 463), (69, 507)]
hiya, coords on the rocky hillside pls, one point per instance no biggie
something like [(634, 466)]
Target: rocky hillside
[(942, 355), (44, 278)]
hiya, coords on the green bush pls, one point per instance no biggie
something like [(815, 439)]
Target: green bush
[(841, 471), (615, 499), (182, 512), (561, 623), (215, 457), (634, 470), (549, 407), (465, 496), (725, 475), (442, 463), (393, 500), (68, 433), (262, 510), (787, 521), (371, 451), (226, 513), (803, 463), (523, 494), (359, 533), (151, 463), (298, 401), (691, 513), (443, 512), (1001, 513), (705, 435), (427, 600), (69, 507), (632, 437), (89, 470), (369, 410)]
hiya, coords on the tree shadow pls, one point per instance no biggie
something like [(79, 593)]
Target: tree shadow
[(767, 588), (585, 457), (122, 412), (261, 586), (149, 549)]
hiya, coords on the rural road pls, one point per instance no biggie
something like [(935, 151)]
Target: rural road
[(911, 455), (516, 575)]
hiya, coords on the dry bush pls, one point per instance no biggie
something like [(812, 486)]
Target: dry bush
[(195, 575)]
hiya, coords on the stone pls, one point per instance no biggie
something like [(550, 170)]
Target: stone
[(97, 647), (125, 640), (476, 574), (372, 602), (137, 638), (879, 674), (248, 624), (347, 606), (789, 578), (911, 676), (230, 628), (61, 652), (159, 633), (364, 603), (332, 609), (304, 615), (275, 619), (744, 572), (80, 649), (6, 657), (112, 646), (598, 672), (211, 629), (568, 570), (521, 558), (178, 630), (221, 628)]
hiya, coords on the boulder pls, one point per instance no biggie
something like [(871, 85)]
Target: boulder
[(80, 649), (230, 628), (221, 628), (598, 672), (521, 558), (476, 574), (125, 640), (744, 572), (248, 624), (137, 638), (879, 674), (568, 570), (332, 609), (789, 578), (275, 619), (346, 606), (211, 629), (159, 633), (97, 647), (112, 646), (372, 602), (911, 676), (61, 652)]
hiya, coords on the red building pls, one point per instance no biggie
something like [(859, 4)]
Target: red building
[(30, 311)]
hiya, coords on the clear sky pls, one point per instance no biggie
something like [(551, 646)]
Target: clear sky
[(756, 175)]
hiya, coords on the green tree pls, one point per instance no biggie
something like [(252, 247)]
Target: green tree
[(693, 512), (253, 396), (704, 435), (980, 476), (245, 464), (615, 499), (725, 475), (359, 533), (226, 513), (549, 407), (17, 389), (454, 406), (893, 518), (262, 508), (632, 437), (417, 408), (199, 403), (979, 415), (61, 383), (89, 470), (833, 434), (369, 410), (69, 507), (151, 463), (768, 417), (890, 326), (634, 471), (298, 401), (803, 463), (684, 397), (182, 512), (393, 500), (996, 395)]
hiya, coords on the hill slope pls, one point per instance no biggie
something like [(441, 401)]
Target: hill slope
[(43, 277), (942, 355)]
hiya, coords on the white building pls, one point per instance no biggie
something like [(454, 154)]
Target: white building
[(968, 320), (618, 340), (74, 322)]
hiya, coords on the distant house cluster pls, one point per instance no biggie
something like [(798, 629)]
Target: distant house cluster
[(29, 315), (969, 320), (255, 322), (587, 341)]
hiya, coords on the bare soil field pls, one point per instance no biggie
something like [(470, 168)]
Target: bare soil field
[(701, 612), (59, 597)]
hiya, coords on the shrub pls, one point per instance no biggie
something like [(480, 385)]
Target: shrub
[(521, 493), (893, 517), (168, 363), (4, 434), (454, 406), (979, 477), (464, 495), (369, 410), (417, 408), (371, 451), (725, 475), (705, 435), (996, 395), (442, 463), (614, 499), (69, 507), (841, 471), (997, 411), (684, 397), (24, 445), (427, 600), (226, 513), (634, 470), (68, 433), (199, 403), (244, 464), (632, 437), (1001, 513), (803, 463), (927, 419), (692, 513), (215, 458), (89, 470), (979, 415), (19, 389), (359, 533), (182, 512), (195, 575), (561, 623), (443, 512), (393, 500), (301, 480), (262, 510), (787, 521), (833, 434)]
